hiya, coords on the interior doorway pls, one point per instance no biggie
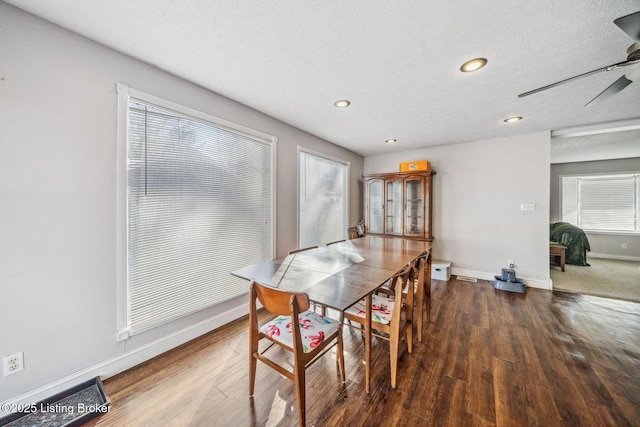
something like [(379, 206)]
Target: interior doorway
[(614, 258)]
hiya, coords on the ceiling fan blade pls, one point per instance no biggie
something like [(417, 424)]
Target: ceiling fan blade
[(615, 88), (579, 76), (630, 24)]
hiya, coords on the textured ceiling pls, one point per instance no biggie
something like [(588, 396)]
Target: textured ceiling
[(396, 61)]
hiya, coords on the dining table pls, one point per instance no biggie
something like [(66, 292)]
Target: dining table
[(339, 275)]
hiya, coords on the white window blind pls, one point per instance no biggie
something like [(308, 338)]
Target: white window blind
[(323, 199), (602, 202), (199, 205)]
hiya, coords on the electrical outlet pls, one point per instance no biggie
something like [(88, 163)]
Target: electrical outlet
[(624, 246), (13, 364), (511, 263)]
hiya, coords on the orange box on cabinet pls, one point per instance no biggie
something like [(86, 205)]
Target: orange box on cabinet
[(419, 165)]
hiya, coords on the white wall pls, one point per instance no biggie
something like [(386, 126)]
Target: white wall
[(478, 190), (58, 108)]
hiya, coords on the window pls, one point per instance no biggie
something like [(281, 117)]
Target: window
[(198, 199), (322, 198), (607, 203)]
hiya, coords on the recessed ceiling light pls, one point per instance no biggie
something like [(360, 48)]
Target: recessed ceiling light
[(512, 119), (342, 103), (473, 65), (391, 140)]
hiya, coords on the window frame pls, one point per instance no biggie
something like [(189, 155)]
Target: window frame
[(124, 94), (603, 174)]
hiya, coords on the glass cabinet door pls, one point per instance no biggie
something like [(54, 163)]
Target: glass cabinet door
[(414, 214), (394, 207), (376, 206)]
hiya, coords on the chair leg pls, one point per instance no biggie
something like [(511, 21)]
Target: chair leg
[(394, 347), (428, 307), (252, 374), (253, 362), (427, 291), (341, 356), (419, 306), (300, 388), (410, 334)]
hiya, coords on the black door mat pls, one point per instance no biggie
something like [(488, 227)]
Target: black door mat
[(71, 407)]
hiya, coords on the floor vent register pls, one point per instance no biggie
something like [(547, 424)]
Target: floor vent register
[(71, 407)]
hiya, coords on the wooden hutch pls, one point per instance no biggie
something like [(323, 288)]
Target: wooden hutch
[(399, 204)]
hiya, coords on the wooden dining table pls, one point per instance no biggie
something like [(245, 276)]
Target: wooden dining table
[(339, 275)]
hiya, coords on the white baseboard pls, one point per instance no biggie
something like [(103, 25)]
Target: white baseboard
[(618, 257), (116, 365), (471, 273), (539, 284), (532, 283)]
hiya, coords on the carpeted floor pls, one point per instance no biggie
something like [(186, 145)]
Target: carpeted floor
[(605, 277)]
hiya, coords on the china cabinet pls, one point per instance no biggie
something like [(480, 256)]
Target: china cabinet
[(399, 204)]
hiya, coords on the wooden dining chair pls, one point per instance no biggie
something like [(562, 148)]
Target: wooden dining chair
[(311, 337), (387, 322), (295, 251), (422, 275), (422, 288)]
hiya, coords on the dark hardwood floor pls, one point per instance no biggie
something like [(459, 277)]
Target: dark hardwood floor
[(489, 358)]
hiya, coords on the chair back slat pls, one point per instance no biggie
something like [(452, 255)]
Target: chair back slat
[(421, 264), (400, 280), (279, 302), (295, 251), (337, 241)]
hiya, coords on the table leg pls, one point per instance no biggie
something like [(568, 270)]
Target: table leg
[(562, 257), (367, 343)]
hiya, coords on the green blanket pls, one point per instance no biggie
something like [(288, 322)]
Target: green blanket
[(574, 239)]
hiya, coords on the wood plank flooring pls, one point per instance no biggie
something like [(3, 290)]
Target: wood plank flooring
[(489, 358)]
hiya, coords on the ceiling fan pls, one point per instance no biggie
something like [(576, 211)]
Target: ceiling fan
[(630, 24)]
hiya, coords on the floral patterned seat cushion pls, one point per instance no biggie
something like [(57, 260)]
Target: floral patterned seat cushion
[(314, 329), (381, 308)]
